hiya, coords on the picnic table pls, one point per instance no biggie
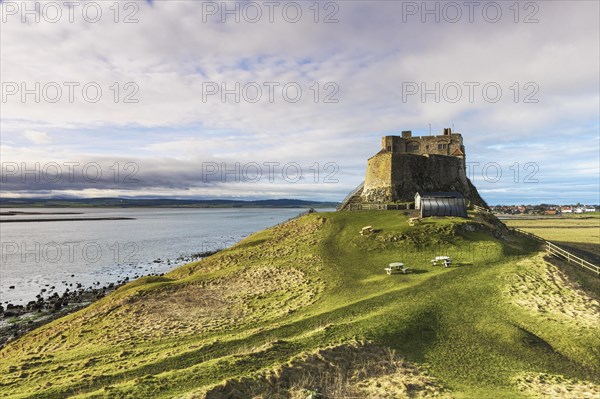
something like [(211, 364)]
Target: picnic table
[(396, 267), (445, 260)]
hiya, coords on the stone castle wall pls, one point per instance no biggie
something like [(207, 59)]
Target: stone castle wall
[(394, 177)]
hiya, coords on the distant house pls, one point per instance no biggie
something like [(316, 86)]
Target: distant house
[(566, 209), (441, 204), (590, 209)]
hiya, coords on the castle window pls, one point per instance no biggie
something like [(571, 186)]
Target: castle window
[(442, 146), (412, 147), (389, 148)]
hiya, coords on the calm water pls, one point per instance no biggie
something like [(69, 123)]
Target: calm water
[(39, 255)]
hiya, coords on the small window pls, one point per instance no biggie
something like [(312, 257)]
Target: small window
[(442, 146), (389, 148), (412, 147)]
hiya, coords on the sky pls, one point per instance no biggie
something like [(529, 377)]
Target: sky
[(255, 100)]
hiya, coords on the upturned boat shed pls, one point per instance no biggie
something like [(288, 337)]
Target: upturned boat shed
[(450, 203)]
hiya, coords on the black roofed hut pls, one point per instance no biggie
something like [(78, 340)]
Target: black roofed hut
[(450, 203)]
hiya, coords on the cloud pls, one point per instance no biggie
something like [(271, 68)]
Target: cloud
[(166, 59), (37, 137)]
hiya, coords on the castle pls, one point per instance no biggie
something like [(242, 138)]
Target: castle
[(409, 164)]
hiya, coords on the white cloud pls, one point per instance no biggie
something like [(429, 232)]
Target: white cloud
[(37, 137), (369, 54)]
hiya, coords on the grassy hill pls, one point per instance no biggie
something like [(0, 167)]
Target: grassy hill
[(307, 304)]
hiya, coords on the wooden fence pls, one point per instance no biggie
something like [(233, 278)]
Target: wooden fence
[(559, 252), (376, 207), (528, 234), (569, 257)]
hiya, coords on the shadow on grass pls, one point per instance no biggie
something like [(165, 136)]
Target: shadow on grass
[(455, 265), (417, 271), (416, 336)]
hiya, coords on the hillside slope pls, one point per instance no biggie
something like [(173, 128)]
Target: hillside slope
[(306, 305)]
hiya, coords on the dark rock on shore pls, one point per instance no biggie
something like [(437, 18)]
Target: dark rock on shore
[(17, 320)]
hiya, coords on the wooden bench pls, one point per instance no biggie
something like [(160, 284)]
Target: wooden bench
[(366, 230), (396, 267)]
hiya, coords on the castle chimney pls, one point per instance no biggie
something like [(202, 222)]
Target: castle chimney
[(406, 134), (447, 131)]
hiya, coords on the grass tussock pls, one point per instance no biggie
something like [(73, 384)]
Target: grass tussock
[(541, 288), (544, 386), (245, 297), (354, 370)]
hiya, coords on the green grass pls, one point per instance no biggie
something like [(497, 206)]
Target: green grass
[(579, 231), (309, 284)]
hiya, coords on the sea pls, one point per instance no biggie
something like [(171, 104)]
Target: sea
[(41, 257)]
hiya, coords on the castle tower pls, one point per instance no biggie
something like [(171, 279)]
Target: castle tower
[(447, 143)]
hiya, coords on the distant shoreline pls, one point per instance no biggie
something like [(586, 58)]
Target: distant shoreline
[(162, 203), (18, 213), (61, 220)]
